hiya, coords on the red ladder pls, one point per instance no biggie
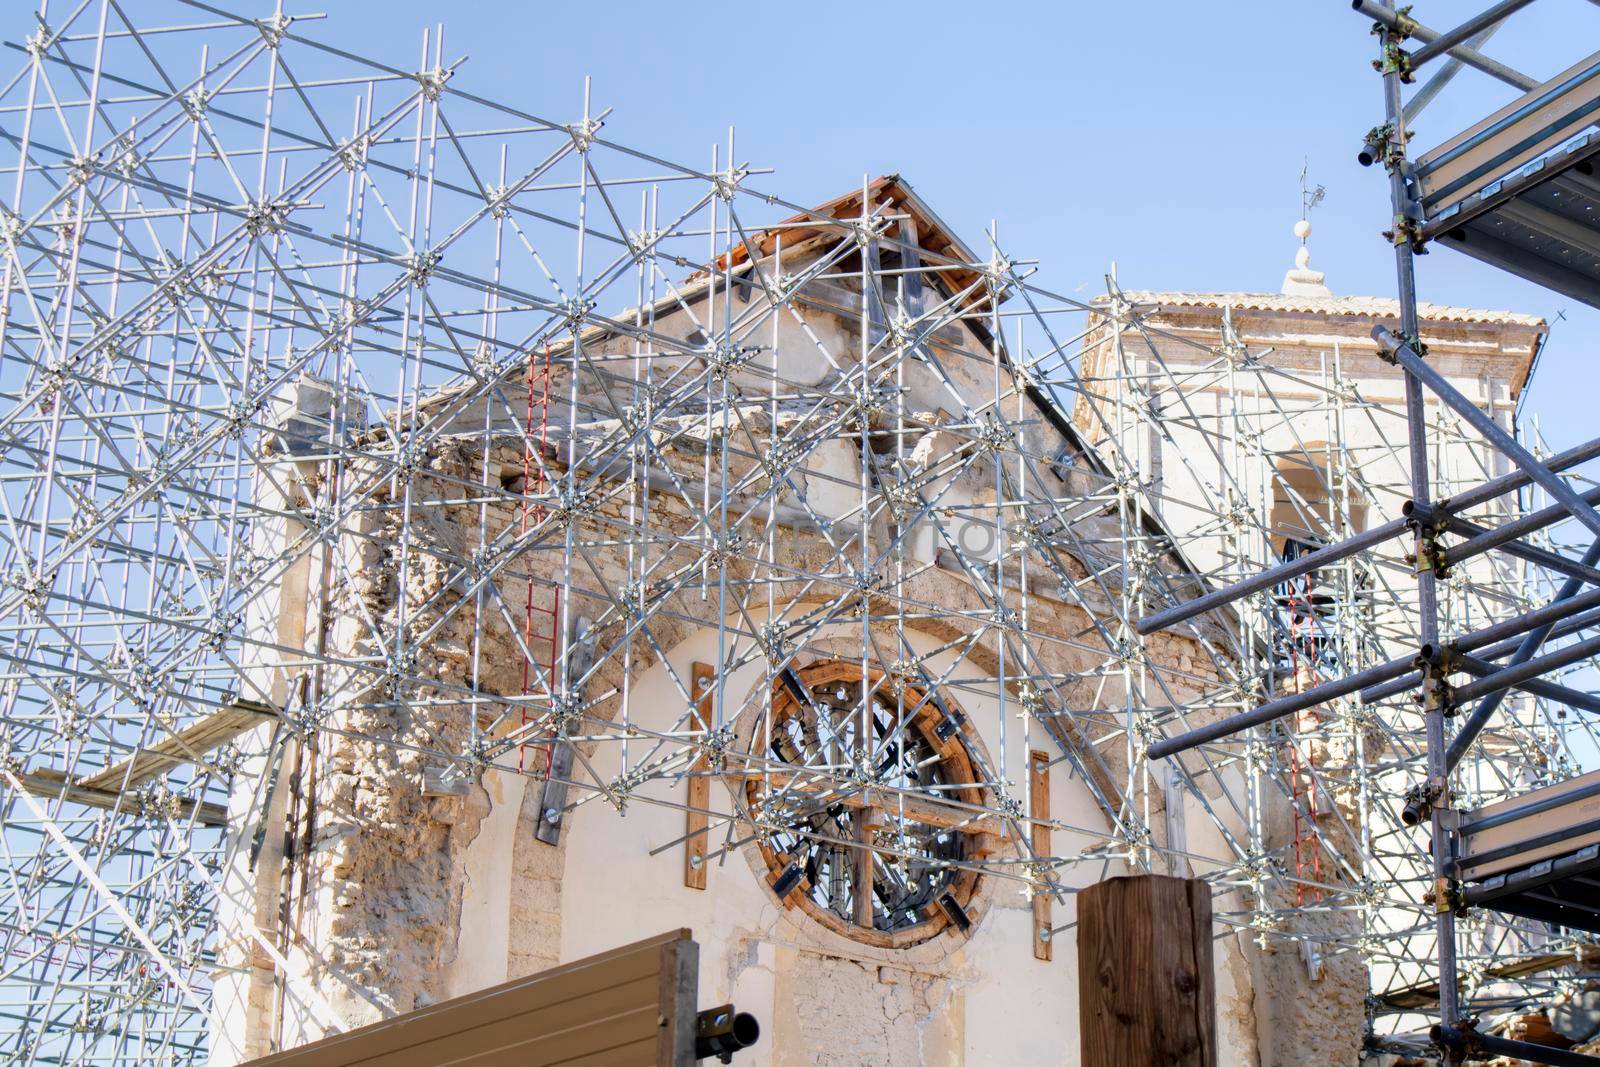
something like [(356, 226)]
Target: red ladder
[(1302, 780), (546, 633)]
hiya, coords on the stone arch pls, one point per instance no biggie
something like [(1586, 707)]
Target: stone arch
[(1311, 505)]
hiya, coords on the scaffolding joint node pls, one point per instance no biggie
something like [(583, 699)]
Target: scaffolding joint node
[(1445, 896), (1389, 345), (1407, 231), (1420, 802), (1455, 1040), (1394, 60), (1375, 145)]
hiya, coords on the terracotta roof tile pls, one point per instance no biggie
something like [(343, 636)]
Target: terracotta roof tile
[(1362, 306)]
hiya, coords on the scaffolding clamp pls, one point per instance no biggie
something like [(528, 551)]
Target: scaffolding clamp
[(1459, 1040), (1445, 896), (1394, 60), (1389, 346), (1386, 144), (1420, 802), (1428, 522), (1437, 693), (1399, 27), (1441, 659), (1430, 556), (1436, 663), (1407, 231), (1375, 145)]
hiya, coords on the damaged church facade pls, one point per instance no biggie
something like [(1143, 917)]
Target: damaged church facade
[(792, 604), (445, 542)]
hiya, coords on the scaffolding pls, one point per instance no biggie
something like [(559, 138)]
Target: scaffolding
[(280, 323), (1515, 191)]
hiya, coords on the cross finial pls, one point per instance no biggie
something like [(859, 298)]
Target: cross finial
[(1301, 280), (1309, 197)]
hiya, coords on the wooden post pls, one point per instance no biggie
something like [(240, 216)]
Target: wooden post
[(1145, 987), (702, 677), (1039, 808), (868, 821)]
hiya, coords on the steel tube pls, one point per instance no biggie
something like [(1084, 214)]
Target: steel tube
[(1441, 78), (1550, 561), (1397, 684), (1390, 688), (1565, 599), (1402, 353), (1479, 534), (1526, 1050), (1275, 709), (1576, 624), (1505, 483), (1507, 677), (1484, 540), (1557, 610), (1468, 55), (1470, 28), (1463, 501), (1270, 577), (1537, 686), (1401, 206)]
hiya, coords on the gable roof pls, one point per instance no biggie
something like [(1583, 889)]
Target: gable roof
[(889, 194)]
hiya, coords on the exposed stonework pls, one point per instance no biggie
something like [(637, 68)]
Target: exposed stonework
[(869, 1014), (385, 858)]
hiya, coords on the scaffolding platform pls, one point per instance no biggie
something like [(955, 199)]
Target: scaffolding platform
[(1537, 855), (1518, 190)]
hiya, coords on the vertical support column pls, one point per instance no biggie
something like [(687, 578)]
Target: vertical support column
[(255, 878), (702, 676), (1039, 811), (1146, 992), (868, 820), (1405, 214)]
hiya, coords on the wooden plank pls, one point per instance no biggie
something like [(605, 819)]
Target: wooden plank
[(553, 796), (608, 1008), (50, 782), (1039, 808), (1426, 995), (1146, 991), (189, 745), (622, 1056), (603, 1020), (702, 676)]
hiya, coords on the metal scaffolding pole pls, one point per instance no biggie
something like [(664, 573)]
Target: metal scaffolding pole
[(350, 416)]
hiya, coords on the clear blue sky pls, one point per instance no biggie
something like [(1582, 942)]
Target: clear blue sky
[(1166, 136)]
